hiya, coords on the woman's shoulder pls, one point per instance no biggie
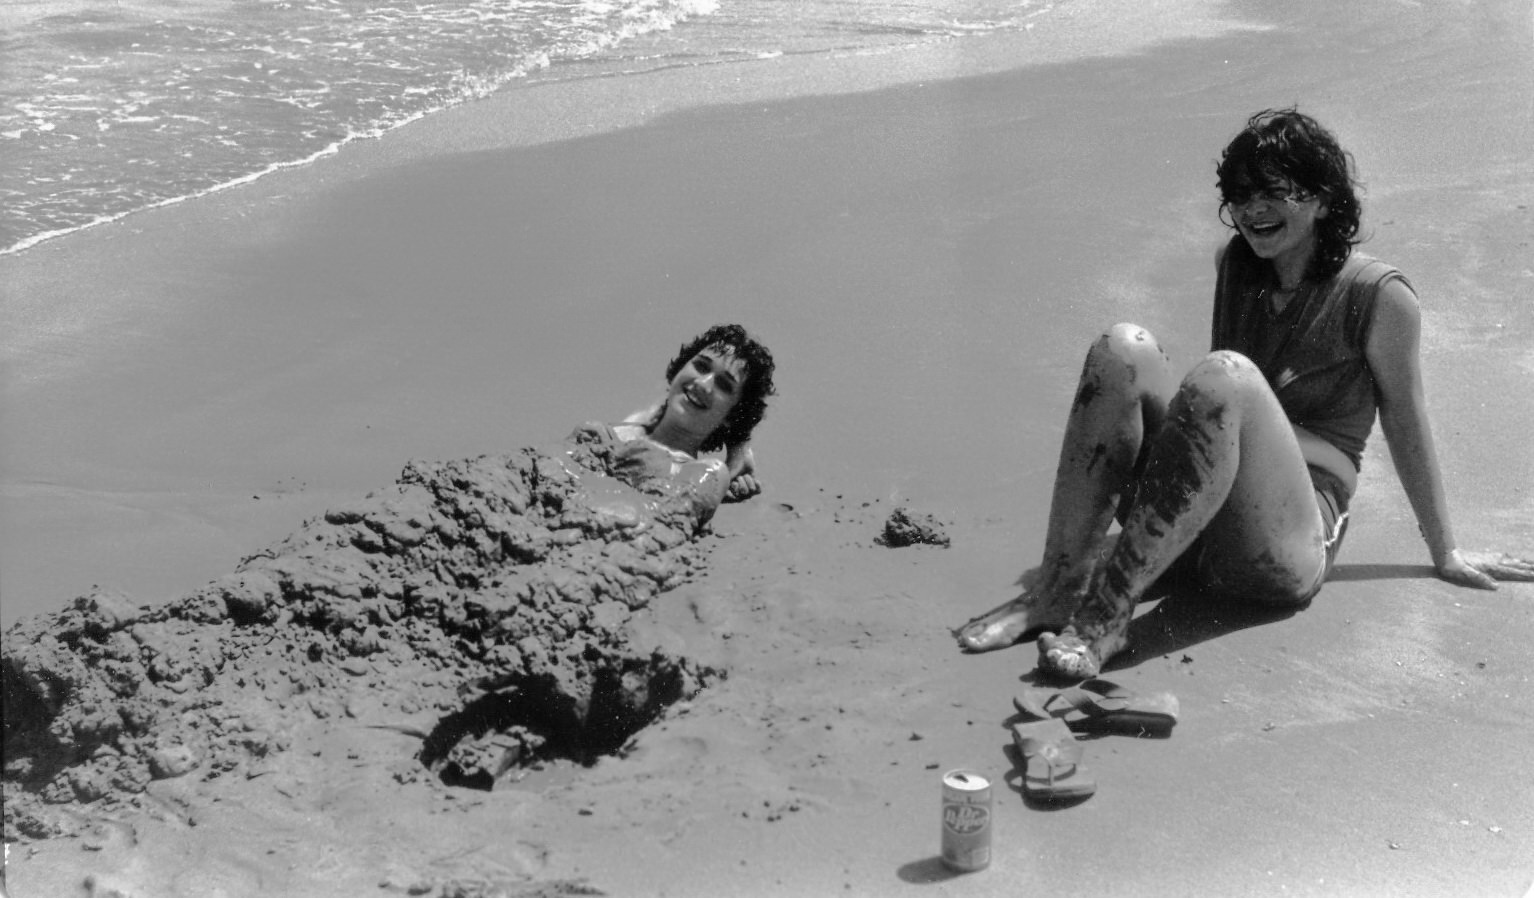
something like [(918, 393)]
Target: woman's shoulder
[(1365, 270), (1361, 287), (628, 431), (622, 432)]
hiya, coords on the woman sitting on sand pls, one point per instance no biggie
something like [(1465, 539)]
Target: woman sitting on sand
[(716, 394), (1244, 470)]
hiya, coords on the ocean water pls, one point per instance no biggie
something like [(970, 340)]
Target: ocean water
[(112, 106)]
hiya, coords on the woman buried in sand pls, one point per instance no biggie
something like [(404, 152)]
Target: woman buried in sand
[(1242, 472), (716, 394), (515, 572)]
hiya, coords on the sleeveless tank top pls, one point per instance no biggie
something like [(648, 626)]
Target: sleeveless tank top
[(1312, 351)]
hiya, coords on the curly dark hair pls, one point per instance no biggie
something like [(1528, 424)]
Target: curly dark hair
[(1285, 144), (732, 340)]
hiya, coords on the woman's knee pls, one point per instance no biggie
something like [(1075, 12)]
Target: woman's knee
[(1224, 366), (1129, 343), (1221, 378), (1126, 353)]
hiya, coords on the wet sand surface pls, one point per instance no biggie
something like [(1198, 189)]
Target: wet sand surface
[(928, 261)]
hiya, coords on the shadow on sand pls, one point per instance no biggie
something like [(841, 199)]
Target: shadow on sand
[(1180, 615), (1185, 615), (926, 871), (1177, 613), (1343, 573)]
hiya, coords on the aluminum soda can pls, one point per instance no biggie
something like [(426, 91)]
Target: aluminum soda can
[(966, 821)]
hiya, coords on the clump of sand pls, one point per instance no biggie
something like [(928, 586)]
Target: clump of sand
[(907, 528)]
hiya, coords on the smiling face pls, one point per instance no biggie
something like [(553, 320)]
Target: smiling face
[(703, 393), (1278, 221)]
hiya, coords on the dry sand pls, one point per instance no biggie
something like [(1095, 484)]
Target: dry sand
[(928, 245)]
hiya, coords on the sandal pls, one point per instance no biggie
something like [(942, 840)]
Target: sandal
[(1052, 768), (1102, 706)]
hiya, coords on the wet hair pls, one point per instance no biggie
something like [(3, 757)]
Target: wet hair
[(732, 340), (1285, 144)]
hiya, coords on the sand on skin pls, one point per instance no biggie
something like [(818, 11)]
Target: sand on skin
[(1359, 747)]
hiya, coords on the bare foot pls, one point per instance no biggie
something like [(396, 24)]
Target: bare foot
[(1009, 623), (1075, 657), (1041, 606)]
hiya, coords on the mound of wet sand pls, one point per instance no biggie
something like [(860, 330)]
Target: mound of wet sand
[(907, 528), (481, 604)]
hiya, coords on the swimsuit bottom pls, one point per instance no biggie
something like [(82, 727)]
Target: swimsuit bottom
[(1332, 498)]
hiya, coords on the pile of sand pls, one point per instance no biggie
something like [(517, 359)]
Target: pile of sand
[(483, 604)]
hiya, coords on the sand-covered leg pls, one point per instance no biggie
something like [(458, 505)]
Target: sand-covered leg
[(1122, 395), (1225, 454), (1097, 631)]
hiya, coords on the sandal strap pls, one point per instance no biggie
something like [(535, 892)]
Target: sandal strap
[(1077, 699), (1061, 757), (1111, 699)]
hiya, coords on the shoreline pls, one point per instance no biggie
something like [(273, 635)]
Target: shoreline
[(1109, 38)]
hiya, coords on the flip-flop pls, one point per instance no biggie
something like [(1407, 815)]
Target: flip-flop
[(1052, 768), (1102, 706)]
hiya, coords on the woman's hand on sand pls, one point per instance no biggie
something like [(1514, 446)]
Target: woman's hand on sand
[(742, 467), (743, 487), (1482, 570)]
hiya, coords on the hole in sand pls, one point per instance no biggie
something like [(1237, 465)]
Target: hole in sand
[(500, 733)]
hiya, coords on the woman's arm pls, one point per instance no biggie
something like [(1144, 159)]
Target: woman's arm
[(1393, 353)]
